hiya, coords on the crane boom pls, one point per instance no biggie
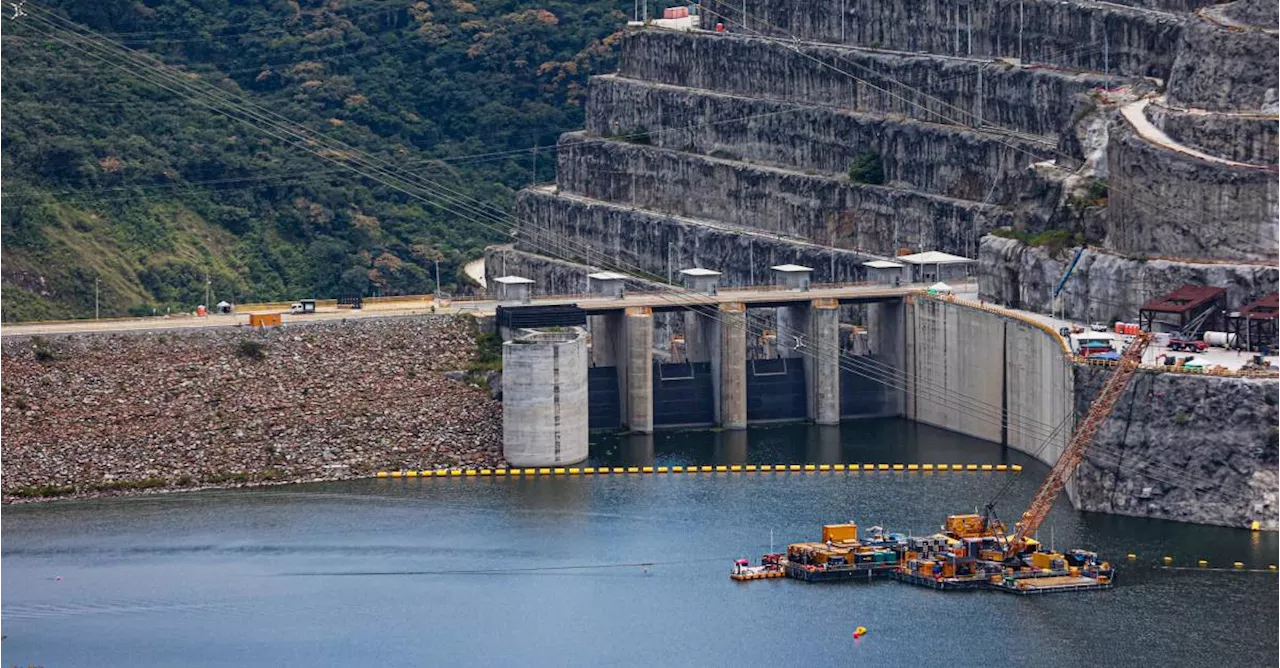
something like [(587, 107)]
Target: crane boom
[(1074, 453)]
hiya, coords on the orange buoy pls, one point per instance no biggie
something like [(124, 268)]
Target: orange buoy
[(859, 632)]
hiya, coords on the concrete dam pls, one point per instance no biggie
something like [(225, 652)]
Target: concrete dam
[(1137, 137)]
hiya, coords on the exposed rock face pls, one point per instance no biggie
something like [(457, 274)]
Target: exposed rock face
[(1165, 203), (1103, 286), (1223, 68), (1183, 447), (939, 159), (636, 240), (551, 276), (948, 90), (819, 208), (1259, 13), (1251, 139), (1127, 40), (113, 413)]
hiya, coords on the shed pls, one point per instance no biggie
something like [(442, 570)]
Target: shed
[(884, 272), (792, 276), (1173, 311), (698, 279), (514, 289), (931, 266), (607, 283)]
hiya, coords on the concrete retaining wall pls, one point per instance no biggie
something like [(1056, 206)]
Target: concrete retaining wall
[(968, 368)]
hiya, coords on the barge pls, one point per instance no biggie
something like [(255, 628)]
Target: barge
[(970, 553)]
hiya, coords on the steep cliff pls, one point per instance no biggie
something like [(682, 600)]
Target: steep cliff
[(822, 209), (628, 240), (1103, 286), (1166, 203), (1250, 138), (936, 89), (1079, 34), (940, 159), (1225, 67), (1183, 447)]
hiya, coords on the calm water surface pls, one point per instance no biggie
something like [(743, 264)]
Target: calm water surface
[(429, 572)]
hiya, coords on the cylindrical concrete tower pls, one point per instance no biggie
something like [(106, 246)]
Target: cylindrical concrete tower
[(544, 398)]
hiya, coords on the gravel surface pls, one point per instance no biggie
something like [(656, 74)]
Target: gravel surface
[(105, 414)]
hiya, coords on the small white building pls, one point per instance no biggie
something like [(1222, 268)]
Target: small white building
[(884, 272), (606, 283), (514, 289), (934, 266), (705, 281), (792, 277)]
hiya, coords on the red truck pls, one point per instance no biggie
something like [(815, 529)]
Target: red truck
[(1191, 346)]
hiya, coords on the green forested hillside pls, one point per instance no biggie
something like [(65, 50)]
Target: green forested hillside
[(108, 178)]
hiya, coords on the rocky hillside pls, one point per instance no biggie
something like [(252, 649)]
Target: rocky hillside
[(92, 414)]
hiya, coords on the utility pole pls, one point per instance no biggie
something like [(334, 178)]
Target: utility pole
[(208, 284), (535, 163), (96, 282), (438, 292)]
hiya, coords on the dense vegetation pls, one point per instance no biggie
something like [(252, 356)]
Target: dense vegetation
[(108, 178)]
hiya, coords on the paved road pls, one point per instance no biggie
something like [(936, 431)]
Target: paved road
[(424, 306), (1135, 115)]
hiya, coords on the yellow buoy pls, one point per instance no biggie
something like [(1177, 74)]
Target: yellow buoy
[(1168, 560), (1255, 526), (1132, 556), (1202, 563), (859, 632), (1238, 564)]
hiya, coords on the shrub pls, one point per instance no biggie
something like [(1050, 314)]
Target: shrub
[(1097, 191), (251, 350), (36, 491), (43, 353), (867, 168)]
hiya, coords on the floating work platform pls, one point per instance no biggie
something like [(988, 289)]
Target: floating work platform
[(965, 556)]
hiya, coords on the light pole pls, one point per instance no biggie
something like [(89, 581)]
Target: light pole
[(96, 282), (437, 277)]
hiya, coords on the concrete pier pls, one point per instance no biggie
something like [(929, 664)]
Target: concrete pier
[(823, 361), (544, 398), (792, 329), (606, 339), (732, 363), (699, 330), (637, 373), (887, 330)]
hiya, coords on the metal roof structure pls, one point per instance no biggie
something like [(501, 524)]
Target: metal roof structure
[(933, 257), (1267, 308), (790, 268), (883, 264), (699, 271), (607, 276), (512, 280), (1184, 299)]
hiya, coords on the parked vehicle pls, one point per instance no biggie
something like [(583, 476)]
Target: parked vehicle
[(303, 306), (1179, 343), (1098, 327)]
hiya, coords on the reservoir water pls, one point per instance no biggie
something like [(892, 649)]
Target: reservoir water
[(547, 572)]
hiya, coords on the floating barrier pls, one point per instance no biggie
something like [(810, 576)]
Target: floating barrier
[(733, 469)]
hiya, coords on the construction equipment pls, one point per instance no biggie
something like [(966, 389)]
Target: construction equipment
[(1075, 451), (1186, 338)]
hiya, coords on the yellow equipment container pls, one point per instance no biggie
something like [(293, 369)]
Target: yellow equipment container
[(1044, 560), (839, 532), (264, 319), (966, 526)]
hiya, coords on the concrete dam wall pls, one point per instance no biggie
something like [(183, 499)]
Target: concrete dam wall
[(981, 374)]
